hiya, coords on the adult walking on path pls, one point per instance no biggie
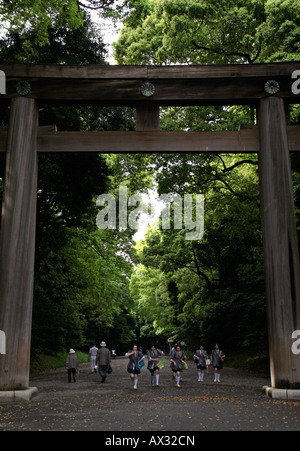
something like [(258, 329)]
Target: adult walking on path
[(103, 360), (92, 356), (72, 365)]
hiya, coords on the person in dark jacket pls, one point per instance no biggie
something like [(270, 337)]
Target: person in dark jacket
[(103, 360), (72, 365)]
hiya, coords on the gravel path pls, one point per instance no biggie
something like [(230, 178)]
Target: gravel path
[(237, 403)]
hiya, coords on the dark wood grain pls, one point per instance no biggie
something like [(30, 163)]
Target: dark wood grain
[(280, 243), (93, 71), (174, 85), (17, 244), (147, 117), (243, 141)]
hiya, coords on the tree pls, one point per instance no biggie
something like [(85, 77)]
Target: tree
[(81, 291), (209, 32), (23, 16), (217, 284), (149, 291), (75, 45), (281, 31)]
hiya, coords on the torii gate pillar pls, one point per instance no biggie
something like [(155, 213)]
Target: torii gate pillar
[(17, 245), (282, 269)]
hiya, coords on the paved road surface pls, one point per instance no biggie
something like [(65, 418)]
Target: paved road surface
[(237, 403)]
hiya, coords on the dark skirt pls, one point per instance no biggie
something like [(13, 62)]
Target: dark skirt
[(176, 370), (136, 371)]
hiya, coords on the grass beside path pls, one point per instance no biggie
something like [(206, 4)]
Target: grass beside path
[(256, 364), (52, 362)]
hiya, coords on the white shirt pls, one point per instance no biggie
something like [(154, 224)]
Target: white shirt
[(93, 351)]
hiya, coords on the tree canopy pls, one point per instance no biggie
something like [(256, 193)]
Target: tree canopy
[(210, 32), (23, 16)]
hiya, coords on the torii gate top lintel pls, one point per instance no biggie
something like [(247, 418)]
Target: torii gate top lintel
[(172, 85)]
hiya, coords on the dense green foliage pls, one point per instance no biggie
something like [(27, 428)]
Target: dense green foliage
[(210, 32), (41, 16), (212, 289)]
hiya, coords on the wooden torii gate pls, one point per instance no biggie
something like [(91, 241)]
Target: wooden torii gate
[(268, 87)]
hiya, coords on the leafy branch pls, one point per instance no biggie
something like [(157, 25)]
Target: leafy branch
[(247, 56)]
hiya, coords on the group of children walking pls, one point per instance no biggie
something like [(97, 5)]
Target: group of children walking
[(101, 358), (177, 363)]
